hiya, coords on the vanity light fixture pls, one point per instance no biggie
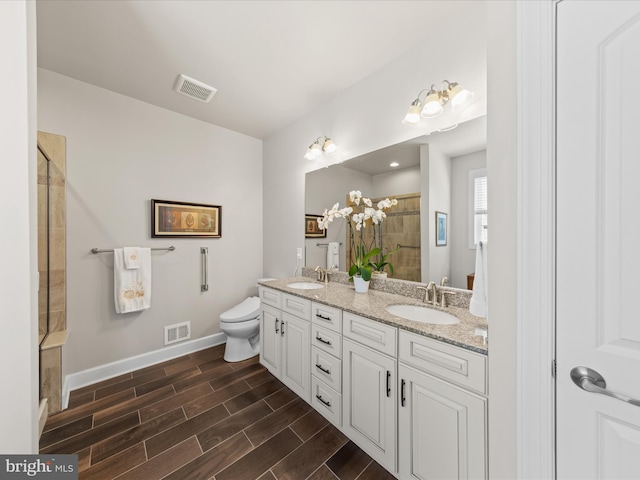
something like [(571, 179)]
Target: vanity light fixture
[(435, 100), (394, 164), (321, 145)]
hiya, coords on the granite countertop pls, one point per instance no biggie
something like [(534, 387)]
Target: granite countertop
[(373, 305)]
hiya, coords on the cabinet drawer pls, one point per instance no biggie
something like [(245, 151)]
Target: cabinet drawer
[(370, 333), (297, 306), (460, 366), (270, 296), (328, 317), (327, 340), (326, 368), (326, 401)]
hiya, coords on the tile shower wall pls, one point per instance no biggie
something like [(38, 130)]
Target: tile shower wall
[(52, 305)]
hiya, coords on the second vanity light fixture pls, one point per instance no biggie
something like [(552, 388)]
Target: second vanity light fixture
[(435, 101), (322, 145)]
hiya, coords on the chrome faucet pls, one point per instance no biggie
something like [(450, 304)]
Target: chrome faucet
[(444, 281), (430, 291), (323, 274), (431, 287)]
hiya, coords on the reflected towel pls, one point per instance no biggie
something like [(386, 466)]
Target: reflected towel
[(333, 255), (131, 257), (132, 287), (480, 298)]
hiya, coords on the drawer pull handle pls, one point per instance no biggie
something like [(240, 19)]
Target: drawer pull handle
[(282, 329), (403, 399), (277, 322), (328, 319), (319, 397), (319, 367), (320, 339), (388, 383)]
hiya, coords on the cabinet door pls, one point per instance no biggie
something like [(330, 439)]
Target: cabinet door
[(270, 343), (441, 429), (296, 355), (369, 401)]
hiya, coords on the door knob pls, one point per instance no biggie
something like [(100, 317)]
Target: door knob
[(591, 381)]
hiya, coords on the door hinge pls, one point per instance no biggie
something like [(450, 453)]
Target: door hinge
[(554, 368)]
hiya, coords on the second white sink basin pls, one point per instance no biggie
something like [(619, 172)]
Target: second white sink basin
[(305, 285), (418, 313)]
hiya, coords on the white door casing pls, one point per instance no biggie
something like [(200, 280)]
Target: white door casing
[(598, 227)]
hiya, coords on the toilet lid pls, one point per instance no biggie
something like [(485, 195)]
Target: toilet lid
[(248, 309)]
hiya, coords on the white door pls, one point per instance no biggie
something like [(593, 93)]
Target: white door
[(598, 237)]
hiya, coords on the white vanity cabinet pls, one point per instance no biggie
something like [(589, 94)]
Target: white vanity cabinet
[(285, 347), (369, 391), (442, 427)]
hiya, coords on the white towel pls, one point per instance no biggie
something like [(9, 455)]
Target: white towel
[(480, 297), (333, 255), (131, 257), (132, 287)]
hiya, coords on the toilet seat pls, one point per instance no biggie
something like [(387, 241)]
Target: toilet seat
[(249, 309)]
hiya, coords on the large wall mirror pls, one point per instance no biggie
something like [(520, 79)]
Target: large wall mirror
[(436, 174)]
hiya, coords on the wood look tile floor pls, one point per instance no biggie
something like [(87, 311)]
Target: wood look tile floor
[(199, 417)]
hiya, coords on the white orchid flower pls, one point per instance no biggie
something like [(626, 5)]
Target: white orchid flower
[(354, 196), (378, 216), (369, 213), (345, 212), (360, 218)]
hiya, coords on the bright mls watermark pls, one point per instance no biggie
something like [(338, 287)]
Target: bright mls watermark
[(51, 467)]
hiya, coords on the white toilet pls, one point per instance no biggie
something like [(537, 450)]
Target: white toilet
[(242, 326)]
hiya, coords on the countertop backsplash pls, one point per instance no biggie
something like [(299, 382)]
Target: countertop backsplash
[(461, 298)]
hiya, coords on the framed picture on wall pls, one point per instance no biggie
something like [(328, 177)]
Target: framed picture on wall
[(311, 229), (441, 229), (185, 220)]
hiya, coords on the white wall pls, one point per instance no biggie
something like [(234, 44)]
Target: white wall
[(439, 201), (120, 154), (18, 201), (463, 258)]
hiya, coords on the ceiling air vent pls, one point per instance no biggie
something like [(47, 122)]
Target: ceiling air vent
[(194, 89)]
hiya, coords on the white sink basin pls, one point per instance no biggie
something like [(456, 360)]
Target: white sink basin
[(418, 313), (305, 285)]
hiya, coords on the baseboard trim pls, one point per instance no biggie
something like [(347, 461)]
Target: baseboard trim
[(93, 375)]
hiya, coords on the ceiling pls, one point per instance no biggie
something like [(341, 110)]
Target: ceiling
[(272, 62)]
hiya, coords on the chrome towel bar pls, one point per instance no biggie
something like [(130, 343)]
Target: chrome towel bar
[(98, 250), (204, 251)]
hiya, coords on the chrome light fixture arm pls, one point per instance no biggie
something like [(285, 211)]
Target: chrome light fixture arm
[(435, 100)]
